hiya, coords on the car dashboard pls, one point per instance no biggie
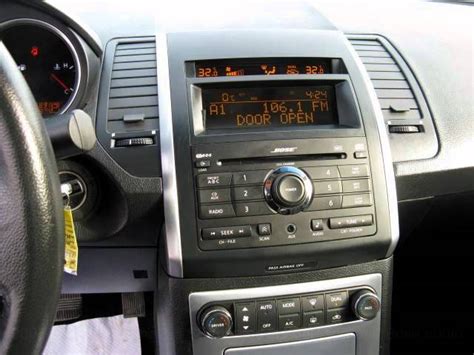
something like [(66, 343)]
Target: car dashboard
[(256, 165)]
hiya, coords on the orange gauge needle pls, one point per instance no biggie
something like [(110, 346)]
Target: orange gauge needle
[(60, 82)]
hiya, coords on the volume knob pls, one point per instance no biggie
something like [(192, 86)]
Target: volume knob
[(216, 322), (288, 190)]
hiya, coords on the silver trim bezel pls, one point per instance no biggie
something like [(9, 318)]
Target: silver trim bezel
[(66, 41), (385, 148), (367, 332), (174, 260)]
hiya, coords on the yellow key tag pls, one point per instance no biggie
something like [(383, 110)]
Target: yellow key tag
[(71, 249)]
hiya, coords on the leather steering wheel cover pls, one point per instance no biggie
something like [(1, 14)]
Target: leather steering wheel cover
[(31, 219)]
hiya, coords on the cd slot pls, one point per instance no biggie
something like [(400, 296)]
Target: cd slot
[(282, 159)]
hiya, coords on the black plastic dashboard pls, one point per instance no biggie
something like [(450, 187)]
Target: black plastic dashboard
[(129, 210)]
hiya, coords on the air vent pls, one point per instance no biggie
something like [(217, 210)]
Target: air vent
[(127, 109), (133, 95), (393, 90), (403, 104)]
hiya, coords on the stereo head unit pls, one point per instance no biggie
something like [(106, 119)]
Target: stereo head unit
[(281, 165)]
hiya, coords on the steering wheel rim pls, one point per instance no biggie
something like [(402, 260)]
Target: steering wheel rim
[(31, 219)]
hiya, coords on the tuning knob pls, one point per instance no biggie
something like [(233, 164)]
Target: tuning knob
[(288, 190), (365, 305), (216, 322)]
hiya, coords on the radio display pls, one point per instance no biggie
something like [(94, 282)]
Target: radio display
[(268, 107), (215, 68)]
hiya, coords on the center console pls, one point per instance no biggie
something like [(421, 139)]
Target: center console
[(274, 164)]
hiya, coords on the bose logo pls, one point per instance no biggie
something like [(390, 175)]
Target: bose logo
[(284, 150)]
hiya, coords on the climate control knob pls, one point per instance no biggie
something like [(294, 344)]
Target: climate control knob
[(288, 190), (365, 305), (216, 322)]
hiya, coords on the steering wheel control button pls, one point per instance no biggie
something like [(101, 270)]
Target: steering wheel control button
[(325, 203), (337, 315), (216, 211), (348, 171), (327, 187), (216, 322), (337, 300), (266, 316), (214, 180), (214, 196), (361, 200), (289, 322), (264, 229), (317, 225), (356, 185), (288, 190), (245, 318), (288, 306), (312, 303), (313, 319), (226, 232), (365, 305)]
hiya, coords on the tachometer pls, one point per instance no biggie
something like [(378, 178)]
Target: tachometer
[(48, 62)]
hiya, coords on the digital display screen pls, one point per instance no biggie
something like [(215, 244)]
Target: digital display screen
[(209, 69), (268, 107)]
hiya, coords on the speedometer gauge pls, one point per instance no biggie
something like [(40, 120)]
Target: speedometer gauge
[(48, 62)]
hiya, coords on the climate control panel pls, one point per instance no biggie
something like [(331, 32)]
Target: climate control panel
[(288, 313)]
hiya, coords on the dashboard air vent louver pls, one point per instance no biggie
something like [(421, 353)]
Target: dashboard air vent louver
[(393, 90), (404, 108), (133, 95)]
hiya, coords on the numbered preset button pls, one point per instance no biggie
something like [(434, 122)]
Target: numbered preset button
[(248, 193)]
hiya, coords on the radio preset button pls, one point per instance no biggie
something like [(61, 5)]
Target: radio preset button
[(248, 193), (214, 196), (251, 209), (354, 221), (249, 178), (216, 211), (325, 203), (214, 180), (354, 170), (361, 185), (327, 187), (226, 232), (361, 200), (323, 172)]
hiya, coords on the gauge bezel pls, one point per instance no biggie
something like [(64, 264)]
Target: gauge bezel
[(64, 38)]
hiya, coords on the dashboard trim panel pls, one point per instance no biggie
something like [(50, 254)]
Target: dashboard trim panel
[(386, 152), (174, 258)]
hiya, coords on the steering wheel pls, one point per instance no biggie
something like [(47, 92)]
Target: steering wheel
[(31, 219)]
